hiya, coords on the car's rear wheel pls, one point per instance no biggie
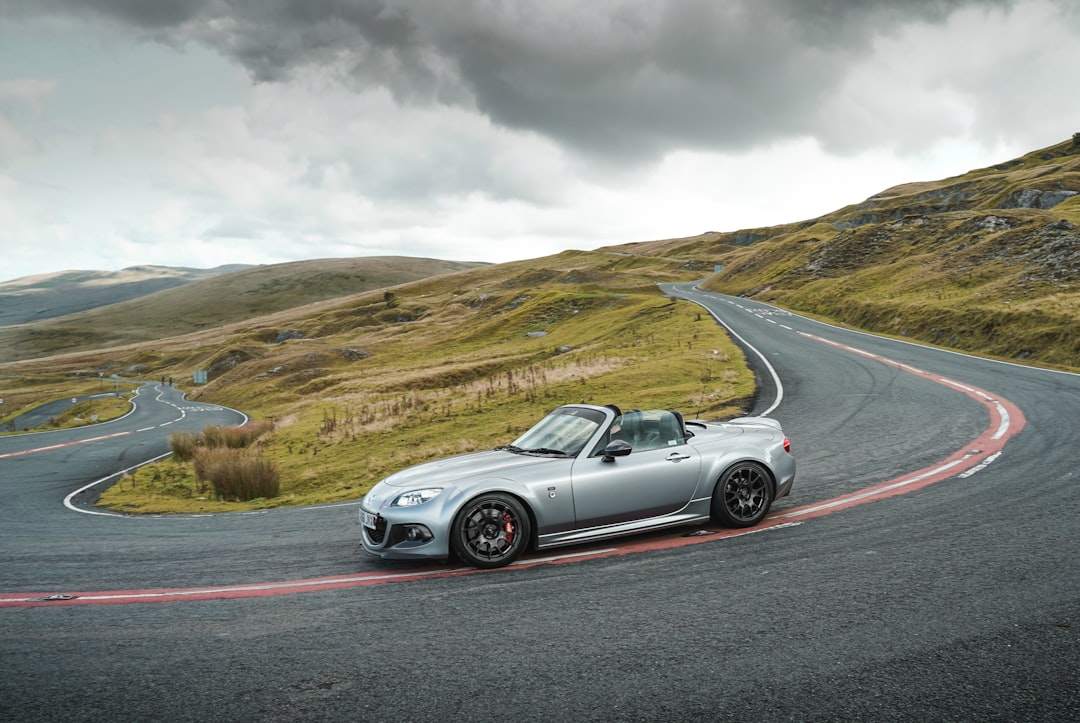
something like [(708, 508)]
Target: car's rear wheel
[(490, 531), (743, 495)]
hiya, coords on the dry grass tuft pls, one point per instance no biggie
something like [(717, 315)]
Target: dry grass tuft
[(237, 475)]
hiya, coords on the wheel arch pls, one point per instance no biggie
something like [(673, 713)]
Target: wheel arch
[(722, 467), (509, 491), (740, 506)]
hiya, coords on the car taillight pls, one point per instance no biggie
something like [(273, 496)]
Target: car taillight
[(787, 445)]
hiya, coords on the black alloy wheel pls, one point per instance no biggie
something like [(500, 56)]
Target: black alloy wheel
[(491, 531), (743, 495)]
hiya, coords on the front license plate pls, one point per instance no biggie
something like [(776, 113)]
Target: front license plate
[(368, 519)]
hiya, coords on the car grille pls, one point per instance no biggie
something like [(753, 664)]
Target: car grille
[(377, 534)]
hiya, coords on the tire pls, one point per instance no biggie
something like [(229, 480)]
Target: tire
[(490, 531), (743, 495)]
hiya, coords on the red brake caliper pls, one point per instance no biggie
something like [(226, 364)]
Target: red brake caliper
[(508, 526)]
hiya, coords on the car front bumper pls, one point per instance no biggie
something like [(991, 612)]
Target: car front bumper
[(404, 534)]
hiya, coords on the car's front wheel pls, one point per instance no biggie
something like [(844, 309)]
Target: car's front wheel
[(742, 496), (490, 531)]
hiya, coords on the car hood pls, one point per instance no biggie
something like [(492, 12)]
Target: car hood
[(475, 465)]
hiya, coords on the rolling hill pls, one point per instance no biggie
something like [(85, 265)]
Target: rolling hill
[(358, 385), (46, 296), (988, 261), (196, 303)]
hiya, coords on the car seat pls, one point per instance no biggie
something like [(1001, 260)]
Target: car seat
[(631, 429), (671, 429)]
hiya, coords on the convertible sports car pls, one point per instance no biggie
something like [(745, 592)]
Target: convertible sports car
[(582, 473)]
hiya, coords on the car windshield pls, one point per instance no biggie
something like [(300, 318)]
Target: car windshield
[(562, 433)]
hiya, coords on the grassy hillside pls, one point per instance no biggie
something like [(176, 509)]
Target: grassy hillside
[(211, 302), (362, 385), (987, 262), (47, 296)]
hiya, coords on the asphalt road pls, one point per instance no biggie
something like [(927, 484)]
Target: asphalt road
[(923, 568), (40, 415)]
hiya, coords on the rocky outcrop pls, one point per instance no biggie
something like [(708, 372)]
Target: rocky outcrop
[(1035, 198), (352, 354), (744, 238), (226, 362), (287, 335)]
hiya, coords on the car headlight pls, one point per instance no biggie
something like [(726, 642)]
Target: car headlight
[(415, 497)]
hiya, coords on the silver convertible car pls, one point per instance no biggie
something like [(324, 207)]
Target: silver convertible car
[(582, 473)]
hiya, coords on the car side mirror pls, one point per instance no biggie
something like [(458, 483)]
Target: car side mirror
[(617, 448)]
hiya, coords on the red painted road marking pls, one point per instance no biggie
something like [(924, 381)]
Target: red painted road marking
[(113, 597), (1006, 420)]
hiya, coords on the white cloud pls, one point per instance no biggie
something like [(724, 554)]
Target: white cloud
[(198, 134), (996, 75), (21, 102)]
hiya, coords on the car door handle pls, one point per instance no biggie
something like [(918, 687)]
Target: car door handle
[(676, 457)]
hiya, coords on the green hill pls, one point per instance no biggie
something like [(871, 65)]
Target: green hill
[(987, 262), (213, 302), (358, 386), (47, 296)]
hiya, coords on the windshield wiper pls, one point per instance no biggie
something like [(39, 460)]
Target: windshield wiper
[(547, 450), (537, 450)]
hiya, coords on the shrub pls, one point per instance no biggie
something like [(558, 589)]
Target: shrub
[(183, 445), (233, 437), (237, 475)]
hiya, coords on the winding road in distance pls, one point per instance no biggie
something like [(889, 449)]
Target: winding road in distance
[(923, 568)]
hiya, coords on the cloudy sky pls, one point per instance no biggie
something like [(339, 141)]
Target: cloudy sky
[(205, 132)]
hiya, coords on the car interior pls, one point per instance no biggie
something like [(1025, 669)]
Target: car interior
[(647, 430)]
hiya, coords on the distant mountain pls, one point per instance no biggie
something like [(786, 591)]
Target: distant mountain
[(214, 300), (46, 296)]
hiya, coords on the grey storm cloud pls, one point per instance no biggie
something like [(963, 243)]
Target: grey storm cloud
[(614, 80)]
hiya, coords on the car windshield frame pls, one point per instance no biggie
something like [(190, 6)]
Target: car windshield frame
[(562, 433)]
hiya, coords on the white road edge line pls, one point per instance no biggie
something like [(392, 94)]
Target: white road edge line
[(772, 371), (350, 579), (67, 500), (980, 466), (879, 337), (872, 493)]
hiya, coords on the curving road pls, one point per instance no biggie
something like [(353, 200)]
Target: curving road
[(922, 568)]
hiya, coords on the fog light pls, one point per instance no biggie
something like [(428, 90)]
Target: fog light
[(417, 533)]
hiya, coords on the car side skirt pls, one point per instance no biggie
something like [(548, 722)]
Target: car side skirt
[(696, 511)]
